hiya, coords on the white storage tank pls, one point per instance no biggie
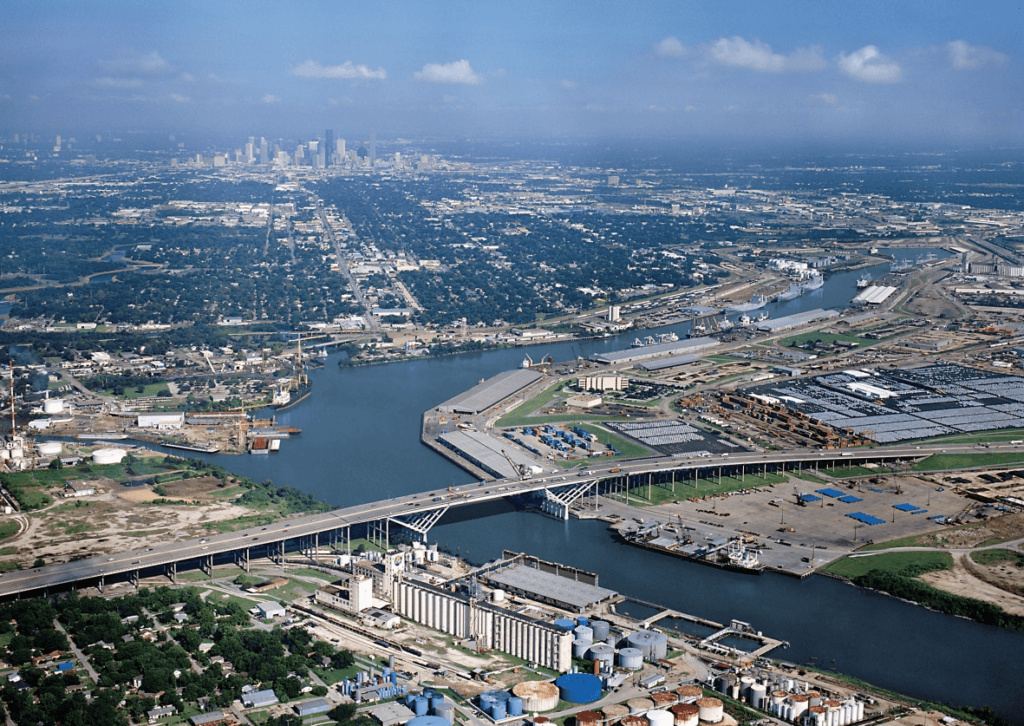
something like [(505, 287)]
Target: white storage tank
[(50, 448), (53, 405), (654, 645), (580, 647), (584, 632), (711, 710), (498, 596), (537, 695), (777, 698), (631, 659), (660, 718), (602, 652), (108, 456), (758, 694), (817, 715), (600, 628), (745, 683), (798, 702)]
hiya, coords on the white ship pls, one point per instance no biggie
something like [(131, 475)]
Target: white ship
[(794, 291), (864, 281), (814, 282), (756, 303)]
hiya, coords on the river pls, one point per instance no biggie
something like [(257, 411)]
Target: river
[(360, 443)]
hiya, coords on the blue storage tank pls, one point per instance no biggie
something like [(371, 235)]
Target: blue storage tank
[(436, 701), (420, 706), (566, 624), (498, 711), (579, 687), (429, 721), (394, 678), (410, 699), (515, 706), (581, 620), (428, 693)]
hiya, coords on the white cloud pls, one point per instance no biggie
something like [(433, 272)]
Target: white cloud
[(758, 56), (187, 78), (828, 99), (568, 85), (270, 98), (180, 98), (448, 98), (867, 64), (150, 65), (965, 56), (347, 70), (107, 82), (457, 72), (670, 47)]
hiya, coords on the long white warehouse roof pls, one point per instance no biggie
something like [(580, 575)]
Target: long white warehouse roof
[(487, 393), (875, 294), (680, 347)]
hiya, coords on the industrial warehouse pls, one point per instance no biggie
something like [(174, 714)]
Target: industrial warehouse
[(647, 352), (491, 392)]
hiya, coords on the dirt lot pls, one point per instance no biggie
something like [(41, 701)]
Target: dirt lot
[(119, 518), (961, 581), (1010, 526)]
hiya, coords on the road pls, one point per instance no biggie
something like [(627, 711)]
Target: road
[(420, 505), (371, 322)]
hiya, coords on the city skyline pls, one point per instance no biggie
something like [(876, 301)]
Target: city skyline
[(912, 71)]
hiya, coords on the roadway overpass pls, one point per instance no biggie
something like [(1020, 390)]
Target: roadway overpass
[(419, 512)]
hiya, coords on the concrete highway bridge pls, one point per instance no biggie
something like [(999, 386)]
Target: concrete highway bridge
[(417, 513)]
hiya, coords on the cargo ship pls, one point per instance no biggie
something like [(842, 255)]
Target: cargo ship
[(864, 281), (812, 283), (756, 303), (725, 553), (286, 396)]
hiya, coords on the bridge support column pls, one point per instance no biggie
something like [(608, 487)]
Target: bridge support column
[(171, 571), (100, 584), (316, 547)]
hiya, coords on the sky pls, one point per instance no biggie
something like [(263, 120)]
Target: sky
[(899, 70)]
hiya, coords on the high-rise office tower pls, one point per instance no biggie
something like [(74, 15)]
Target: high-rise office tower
[(264, 151), (341, 148), (328, 146)]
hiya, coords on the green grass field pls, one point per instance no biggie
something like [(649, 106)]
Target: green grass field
[(806, 477), (942, 462), (844, 472), (150, 389), (7, 530), (629, 449), (995, 557), (981, 436), (659, 494), (895, 562), (520, 416)]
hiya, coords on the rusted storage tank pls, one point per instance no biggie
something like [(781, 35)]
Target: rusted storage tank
[(711, 710)]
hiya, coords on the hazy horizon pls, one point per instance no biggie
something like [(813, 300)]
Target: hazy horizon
[(912, 72)]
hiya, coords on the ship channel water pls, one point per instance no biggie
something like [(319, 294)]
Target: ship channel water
[(360, 443)]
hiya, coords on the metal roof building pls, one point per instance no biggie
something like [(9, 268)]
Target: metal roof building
[(259, 699), (794, 321), (391, 713), (308, 708), (490, 392), (485, 451), (548, 587), (211, 717), (672, 362), (874, 295), (680, 347)]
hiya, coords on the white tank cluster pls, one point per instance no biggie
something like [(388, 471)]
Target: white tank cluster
[(790, 700), (49, 448)]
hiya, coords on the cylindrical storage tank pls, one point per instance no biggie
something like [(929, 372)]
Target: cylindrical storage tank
[(537, 695), (410, 698), (600, 628), (515, 706), (614, 711), (602, 652), (818, 713), (428, 693), (631, 659), (580, 647), (664, 700), (588, 718), (447, 712), (814, 698), (745, 683), (541, 720), (565, 624), (688, 693), (711, 710), (758, 694), (660, 718), (654, 645), (686, 714), (633, 721), (581, 620), (725, 683), (428, 721), (639, 705), (420, 706), (49, 448), (579, 687), (498, 710), (778, 697), (436, 701), (108, 456), (498, 596), (53, 405), (582, 631), (798, 701), (859, 716), (786, 712)]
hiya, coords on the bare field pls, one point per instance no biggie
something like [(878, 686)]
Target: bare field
[(961, 581)]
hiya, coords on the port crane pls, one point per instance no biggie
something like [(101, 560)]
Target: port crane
[(523, 471)]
